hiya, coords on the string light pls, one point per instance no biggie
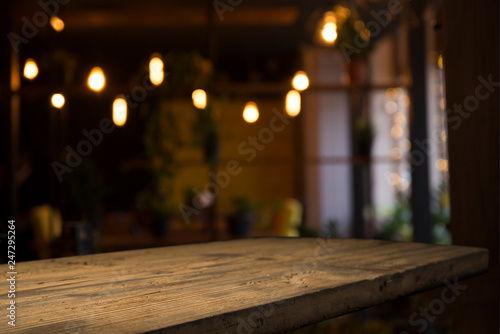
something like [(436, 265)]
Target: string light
[(300, 81), (251, 112), (442, 165), (119, 111), (391, 107), (396, 153), (57, 23), (329, 32), (292, 103), (58, 100), (396, 132), (96, 79), (30, 69), (199, 97), (440, 62), (156, 74)]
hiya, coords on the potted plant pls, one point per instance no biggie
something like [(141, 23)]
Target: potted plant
[(241, 220), (161, 141), (164, 136), (86, 192)]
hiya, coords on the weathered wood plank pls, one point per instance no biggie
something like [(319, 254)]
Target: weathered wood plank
[(254, 285)]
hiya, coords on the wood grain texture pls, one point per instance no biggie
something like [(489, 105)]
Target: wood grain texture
[(263, 285)]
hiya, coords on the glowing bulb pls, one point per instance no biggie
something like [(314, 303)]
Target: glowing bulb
[(404, 184), (300, 81), (391, 93), (391, 107), (30, 69), (394, 179), (440, 61), (156, 74), (57, 23), (405, 145), (330, 17), (119, 111), (400, 118), (250, 113), (397, 132), (404, 100), (443, 136), (442, 104), (329, 32), (58, 100), (292, 103), (442, 165), (96, 79), (396, 153), (199, 99)]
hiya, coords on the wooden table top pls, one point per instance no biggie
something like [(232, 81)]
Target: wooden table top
[(262, 285)]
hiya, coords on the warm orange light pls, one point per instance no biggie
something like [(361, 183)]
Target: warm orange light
[(156, 74), (292, 103), (300, 81), (391, 93), (442, 165), (119, 111), (400, 118), (96, 79), (199, 99), (329, 32), (396, 153), (405, 145), (30, 69), (58, 100), (251, 112), (397, 132), (57, 23), (391, 107), (440, 62), (394, 179)]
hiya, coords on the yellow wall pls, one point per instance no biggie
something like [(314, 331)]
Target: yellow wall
[(268, 177)]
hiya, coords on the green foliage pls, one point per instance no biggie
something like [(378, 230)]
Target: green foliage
[(440, 206), (352, 17), (185, 72), (243, 205), (331, 230), (161, 142), (87, 188), (398, 226)]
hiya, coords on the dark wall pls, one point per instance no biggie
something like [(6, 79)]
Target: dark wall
[(471, 53)]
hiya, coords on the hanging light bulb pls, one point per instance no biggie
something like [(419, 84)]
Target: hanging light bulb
[(119, 111), (96, 79), (58, 100), (440, 62), (57, 23), (328, 28), (156, 74), (250, 113), (30, 69), (300, 81), (292, 103), (199, 99), (329, 32)]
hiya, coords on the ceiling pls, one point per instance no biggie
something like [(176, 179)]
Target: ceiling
[(244, 38)]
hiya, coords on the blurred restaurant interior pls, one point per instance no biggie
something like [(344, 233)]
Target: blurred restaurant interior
[(131, 125)]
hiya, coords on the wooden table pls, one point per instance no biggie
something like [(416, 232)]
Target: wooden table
[(263, 285)]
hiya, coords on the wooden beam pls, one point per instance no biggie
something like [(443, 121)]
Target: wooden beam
[(268, 285), (165, 17)]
